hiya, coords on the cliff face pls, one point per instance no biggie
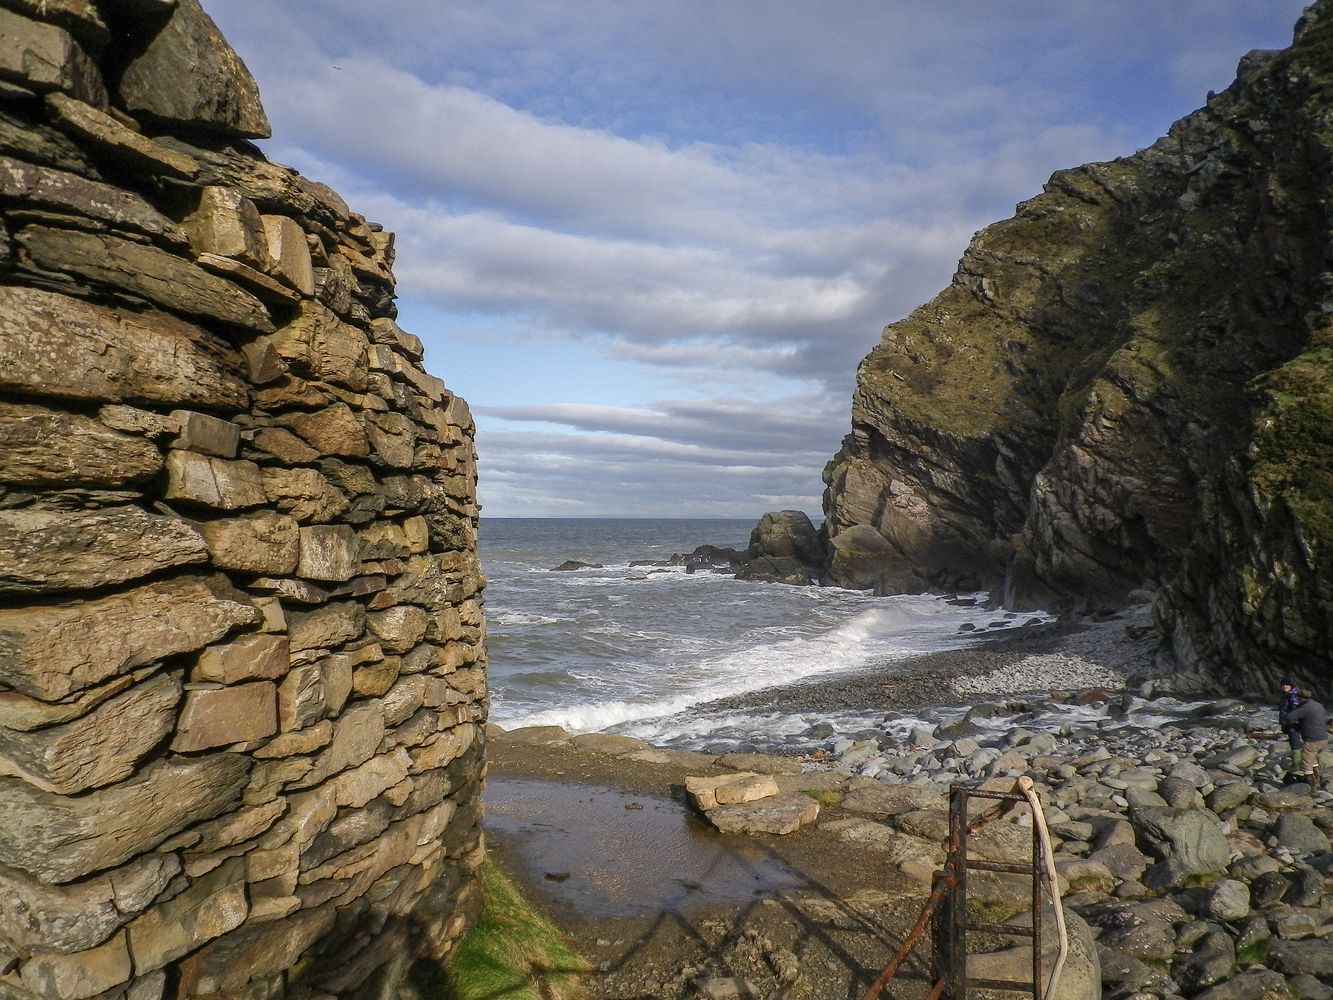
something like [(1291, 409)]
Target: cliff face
[(241, 638), (1128, 384)]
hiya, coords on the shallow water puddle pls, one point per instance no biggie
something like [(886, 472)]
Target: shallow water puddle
[(607, 853)]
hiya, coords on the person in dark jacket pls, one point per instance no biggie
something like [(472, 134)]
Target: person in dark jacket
[(1289, 698), (1311, 718)]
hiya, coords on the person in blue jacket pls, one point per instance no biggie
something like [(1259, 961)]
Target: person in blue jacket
[(1289, 699)]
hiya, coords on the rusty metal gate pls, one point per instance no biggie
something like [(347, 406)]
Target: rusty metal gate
[(945, 911)]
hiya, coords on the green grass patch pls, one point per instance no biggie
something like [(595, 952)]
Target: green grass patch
[(825, 796), (514, 953)]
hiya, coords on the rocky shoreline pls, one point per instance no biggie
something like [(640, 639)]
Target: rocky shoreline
[(1198, 870)]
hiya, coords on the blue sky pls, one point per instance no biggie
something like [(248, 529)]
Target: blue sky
[(650, 241)]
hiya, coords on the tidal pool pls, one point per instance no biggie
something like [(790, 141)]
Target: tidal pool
[(607, 853)]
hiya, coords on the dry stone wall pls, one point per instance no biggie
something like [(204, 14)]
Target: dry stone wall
[(242, 681)]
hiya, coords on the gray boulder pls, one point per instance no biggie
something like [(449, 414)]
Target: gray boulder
[(1187, 837), (1298, 833), (784, 548)]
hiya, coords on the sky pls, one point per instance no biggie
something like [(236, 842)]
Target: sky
[(649, 242)]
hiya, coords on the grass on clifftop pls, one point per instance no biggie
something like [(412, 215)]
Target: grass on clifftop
[(513, 953)]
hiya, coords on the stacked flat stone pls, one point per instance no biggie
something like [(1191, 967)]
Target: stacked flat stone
[(241, 635)]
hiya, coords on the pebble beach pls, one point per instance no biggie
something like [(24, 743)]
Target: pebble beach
[(1189, 863)]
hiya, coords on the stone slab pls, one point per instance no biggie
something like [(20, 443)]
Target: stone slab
[(214, 482), (225, 222), (243, 658), (62, 191), (119, 141), (214, 717), (289, 253), (86, 974), (58, 838), (64, 347), (98, 749), (51, 652), (316, 343), (154, 274), (264, 542), (72, 918), (41, 447), (45, 551), (328, 553), (778, 814), (212, 906)]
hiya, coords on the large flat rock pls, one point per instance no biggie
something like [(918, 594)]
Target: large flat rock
[(59, 838), (98, 749), (43, 551), (67, 192), (63, 347), (154, 274), (53, 651), (41, 447), (778, 814)]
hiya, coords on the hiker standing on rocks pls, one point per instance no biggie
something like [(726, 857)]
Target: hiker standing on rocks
[(1289, 700), (1311, 718)]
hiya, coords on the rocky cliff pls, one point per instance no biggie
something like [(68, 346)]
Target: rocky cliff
[(1128, 385), (241, 637)]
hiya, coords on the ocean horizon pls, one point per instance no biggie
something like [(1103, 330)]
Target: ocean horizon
[(631, 647)]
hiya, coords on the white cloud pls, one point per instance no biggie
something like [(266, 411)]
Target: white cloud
[(728, 198)]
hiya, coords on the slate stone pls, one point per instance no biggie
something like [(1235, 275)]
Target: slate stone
[(157, 275), (53, 651), (98, 749), (334, 430), (243, 658), (62, 191), (47, 551), (316, 343), (85, 974), (58, 838), (46, 57), (42, 447), (188, 75), (58, 346), (226, 222), (214, 717), (262, 542), (289, 253), (117, 141), (213, 482), (328, 552), (209, 908), (76, 917)]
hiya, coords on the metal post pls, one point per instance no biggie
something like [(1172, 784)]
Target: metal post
[(956, 959), (1036, 905)]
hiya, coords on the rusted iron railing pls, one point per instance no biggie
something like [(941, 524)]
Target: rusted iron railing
[(945, 911)]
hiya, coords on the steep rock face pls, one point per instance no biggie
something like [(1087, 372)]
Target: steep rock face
[(1128, 384), (242, 665)]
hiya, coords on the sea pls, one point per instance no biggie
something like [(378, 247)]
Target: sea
[(642, 650)]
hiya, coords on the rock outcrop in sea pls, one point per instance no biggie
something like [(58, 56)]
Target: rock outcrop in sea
[(1128, 385), (241, 636)]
